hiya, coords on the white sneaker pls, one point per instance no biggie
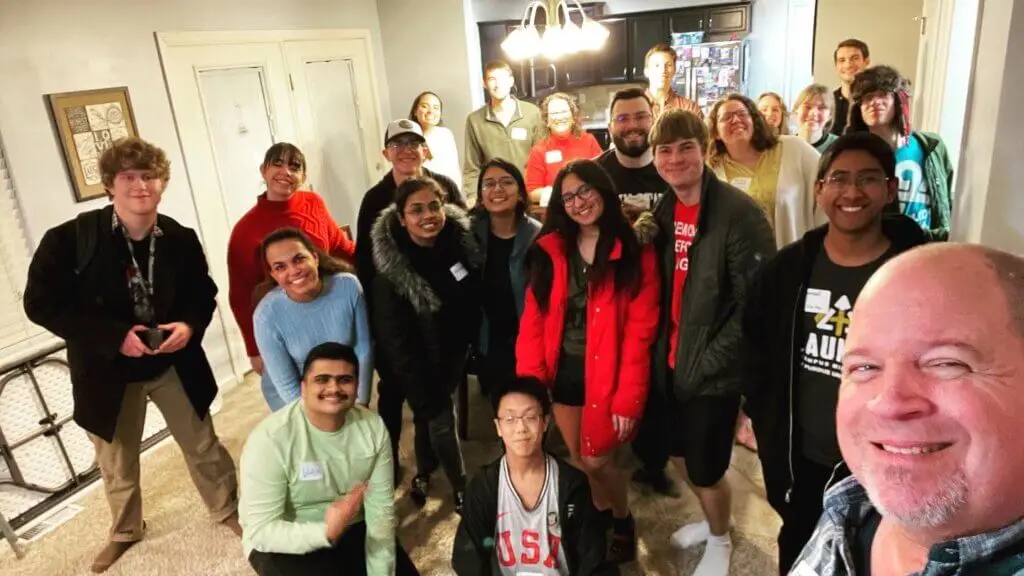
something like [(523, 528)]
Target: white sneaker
[(717, 557), (690, 535)]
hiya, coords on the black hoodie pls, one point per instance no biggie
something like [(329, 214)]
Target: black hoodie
[(772, 338)]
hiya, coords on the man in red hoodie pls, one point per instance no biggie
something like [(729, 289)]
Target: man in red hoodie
[(283, 204)]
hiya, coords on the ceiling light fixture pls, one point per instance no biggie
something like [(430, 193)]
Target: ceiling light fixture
[(561, 36)]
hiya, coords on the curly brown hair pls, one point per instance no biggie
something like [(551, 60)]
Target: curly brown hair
[(577, 127), (133, 154), (762, 139)]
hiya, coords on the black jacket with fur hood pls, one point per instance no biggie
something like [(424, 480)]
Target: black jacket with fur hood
[(426, 311)]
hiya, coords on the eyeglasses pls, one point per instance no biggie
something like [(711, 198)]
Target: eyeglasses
[(418, 210), (397, 145), (505, 183), (584, 192), (865, 181), (639, 118), (510, 420), (737, 115)]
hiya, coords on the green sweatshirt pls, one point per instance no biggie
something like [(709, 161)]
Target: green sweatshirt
[(292, 471), (487, 138)]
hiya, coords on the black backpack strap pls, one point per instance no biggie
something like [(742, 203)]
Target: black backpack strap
[(86, 236)]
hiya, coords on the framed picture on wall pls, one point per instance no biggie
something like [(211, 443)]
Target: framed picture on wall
[(88, 123)]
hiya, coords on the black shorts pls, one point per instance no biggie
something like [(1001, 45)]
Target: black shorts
[(569, 388), (702, 431)]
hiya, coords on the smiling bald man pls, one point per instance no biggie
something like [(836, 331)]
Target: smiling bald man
[(928, 421)]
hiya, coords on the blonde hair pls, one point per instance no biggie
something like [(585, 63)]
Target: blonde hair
[(784, 120), (827, 98)]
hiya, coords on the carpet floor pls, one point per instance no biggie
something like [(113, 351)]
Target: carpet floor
[(181, 539)]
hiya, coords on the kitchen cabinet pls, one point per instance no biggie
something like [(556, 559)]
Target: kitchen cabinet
[(612, 61), (644, 32), (689, 21), (728, 19)]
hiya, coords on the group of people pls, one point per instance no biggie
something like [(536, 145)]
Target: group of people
[(697, 270)]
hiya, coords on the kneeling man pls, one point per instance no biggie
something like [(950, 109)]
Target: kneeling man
[(317, 481), (528, 512), (928, 418)]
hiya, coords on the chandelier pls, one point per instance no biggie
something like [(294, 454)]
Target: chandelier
[(561, 36)]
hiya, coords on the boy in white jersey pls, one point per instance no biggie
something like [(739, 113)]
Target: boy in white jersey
[(528, 513)]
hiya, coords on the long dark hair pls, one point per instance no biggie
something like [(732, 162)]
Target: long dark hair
[(416, 104), (612, 224), (515, 173), (327, 265)]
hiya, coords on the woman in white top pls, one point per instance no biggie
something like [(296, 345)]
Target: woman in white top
[(442, 155), (778, 172)]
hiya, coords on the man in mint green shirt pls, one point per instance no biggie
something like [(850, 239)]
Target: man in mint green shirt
[(317, 480)]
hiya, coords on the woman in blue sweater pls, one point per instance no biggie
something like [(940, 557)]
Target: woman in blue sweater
[(315, 301), (504, 231)]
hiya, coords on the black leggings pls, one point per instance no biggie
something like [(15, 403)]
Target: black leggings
[(347, 557)]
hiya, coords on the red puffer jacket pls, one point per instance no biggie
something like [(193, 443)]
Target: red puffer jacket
[(620, 334)]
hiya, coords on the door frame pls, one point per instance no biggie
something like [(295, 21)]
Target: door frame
[(173, 61)]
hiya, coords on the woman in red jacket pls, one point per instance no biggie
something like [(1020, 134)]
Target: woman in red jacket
[(587, 329)]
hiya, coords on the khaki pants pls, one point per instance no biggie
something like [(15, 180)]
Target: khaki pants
[(209, 463)]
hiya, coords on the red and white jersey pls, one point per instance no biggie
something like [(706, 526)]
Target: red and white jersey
[(529, 542)]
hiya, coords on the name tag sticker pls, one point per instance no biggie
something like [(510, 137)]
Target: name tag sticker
[(519, 133), (310, 471), (459, 271), (741, 183), (818, 301), (553, 156), (529, 574)]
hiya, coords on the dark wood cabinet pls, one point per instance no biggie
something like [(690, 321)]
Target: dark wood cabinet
[(613, 58), (644, 33), (728, 19), (689, 21)]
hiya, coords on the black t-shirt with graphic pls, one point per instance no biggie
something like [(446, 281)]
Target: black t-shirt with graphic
[(827, 311), (638, 188)]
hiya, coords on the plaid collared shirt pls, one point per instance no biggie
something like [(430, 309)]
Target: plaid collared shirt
[(830, 553), (115, 223)]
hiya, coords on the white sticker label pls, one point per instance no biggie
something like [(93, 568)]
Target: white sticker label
[(553, 156), (519, 133), (459, 271), (310, 471), (741, 183), (818, 301)]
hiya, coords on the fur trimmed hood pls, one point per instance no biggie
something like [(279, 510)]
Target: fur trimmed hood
[(394, 264)]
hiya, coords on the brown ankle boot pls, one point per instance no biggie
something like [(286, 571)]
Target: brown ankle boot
[(110, 554), (232, 522)]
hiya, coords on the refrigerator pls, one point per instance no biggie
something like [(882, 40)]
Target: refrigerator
[(706, 71)]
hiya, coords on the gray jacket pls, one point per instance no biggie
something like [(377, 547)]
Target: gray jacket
[(487, 138)]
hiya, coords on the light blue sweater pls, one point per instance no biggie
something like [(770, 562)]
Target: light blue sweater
[(287, 330)]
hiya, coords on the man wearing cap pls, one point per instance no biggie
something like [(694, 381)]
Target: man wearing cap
[(880, 103), (406, 149)]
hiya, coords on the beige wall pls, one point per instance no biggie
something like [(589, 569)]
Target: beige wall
[(886, 25)]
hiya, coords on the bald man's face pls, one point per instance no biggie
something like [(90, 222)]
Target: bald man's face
[(931, 396)]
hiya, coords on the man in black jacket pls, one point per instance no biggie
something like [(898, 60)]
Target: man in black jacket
[(130, 293), (795, 326), (528, 512), (716, 238)]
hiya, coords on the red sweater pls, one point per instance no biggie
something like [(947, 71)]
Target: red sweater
[(620, 332), (303, 210), (549, 155)]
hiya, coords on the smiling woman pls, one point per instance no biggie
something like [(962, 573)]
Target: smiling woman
[(566, 141), (315, 300)]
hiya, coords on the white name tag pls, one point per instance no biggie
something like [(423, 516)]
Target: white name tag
[(459, 271), (818, 301), (741, 183), (519, 133), (310, 471), (553, 156)]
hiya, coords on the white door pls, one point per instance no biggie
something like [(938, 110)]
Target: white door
[(337, 121), (231, 100)]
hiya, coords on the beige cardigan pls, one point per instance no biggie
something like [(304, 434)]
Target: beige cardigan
[(796, 211)]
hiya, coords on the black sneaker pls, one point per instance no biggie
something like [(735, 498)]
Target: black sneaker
[(419, 489), (460, 501), (623, 546), (658, 481)]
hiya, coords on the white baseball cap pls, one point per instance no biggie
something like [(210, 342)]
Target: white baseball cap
[(403, 126)]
